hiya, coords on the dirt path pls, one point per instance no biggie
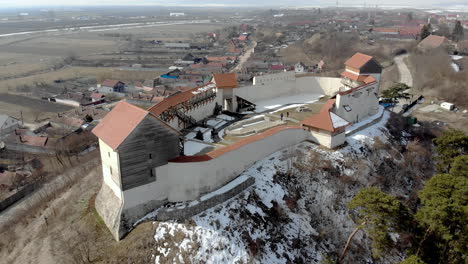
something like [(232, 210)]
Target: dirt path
[(243, 59), (405, 73), (31, 238)]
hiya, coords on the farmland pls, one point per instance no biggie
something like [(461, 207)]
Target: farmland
[(34, 61)]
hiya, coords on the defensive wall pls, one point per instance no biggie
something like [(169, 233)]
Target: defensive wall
[(286, 84), (186, 178)]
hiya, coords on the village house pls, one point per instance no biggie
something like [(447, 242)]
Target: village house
[(327, 128), (300, 67), (360, 82), (8, 124), (111, 86), (432, 42), (97, 97)]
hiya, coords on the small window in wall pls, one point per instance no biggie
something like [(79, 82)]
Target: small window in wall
[(152, 174), (108, 154), (347, 108), (110, 169), (150, 156)]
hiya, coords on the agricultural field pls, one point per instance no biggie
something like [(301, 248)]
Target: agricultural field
[(29, 63)]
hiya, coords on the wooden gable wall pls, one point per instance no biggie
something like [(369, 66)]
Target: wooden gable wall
[(150, 145)]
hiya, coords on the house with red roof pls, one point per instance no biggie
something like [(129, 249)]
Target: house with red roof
[(111, 86), (326, 127), (432, 42), (357, 99)]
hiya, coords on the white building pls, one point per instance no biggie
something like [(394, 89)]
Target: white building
[(8, 124), (177, 14), (358, 99), (300, 67)]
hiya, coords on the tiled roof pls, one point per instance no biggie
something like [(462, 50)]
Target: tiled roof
[(361, 78), (385, 30), (277, 67), (358, 60), (175, 99), (119, 123), (110, 83), (432, 41), (220, 151), (221, 58), (97, 95), (225, 80), (326, 120)]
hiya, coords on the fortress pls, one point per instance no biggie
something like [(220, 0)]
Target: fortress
[(146, 162)]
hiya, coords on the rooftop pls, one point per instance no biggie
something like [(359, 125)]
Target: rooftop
[(326, 120), (110, 83), (225, 80), (366, 79), (358, 60), (432, 41), (119, 123), (178, 98)]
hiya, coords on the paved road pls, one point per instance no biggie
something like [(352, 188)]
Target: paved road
[(405, 77), (405, 74)]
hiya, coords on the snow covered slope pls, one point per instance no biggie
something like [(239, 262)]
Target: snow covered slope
[(295, 211)]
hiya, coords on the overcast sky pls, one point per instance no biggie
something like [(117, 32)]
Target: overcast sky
[(264, 3)]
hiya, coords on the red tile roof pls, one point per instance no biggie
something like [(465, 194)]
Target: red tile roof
[(323, 120), (328, 105), (385, 30), (97, 95), (221, 58), (110, 83), (119, 123), (432, 41), (174, 100), (361, 78), (35, 140), (225, 80), (220, 151), (358, 60), (277, 67)]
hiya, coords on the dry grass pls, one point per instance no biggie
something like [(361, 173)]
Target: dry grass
[(433, 76), (336, 48), (65, 228), (49, 77)]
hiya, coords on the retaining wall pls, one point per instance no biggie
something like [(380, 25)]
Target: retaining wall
[(187, 212)]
